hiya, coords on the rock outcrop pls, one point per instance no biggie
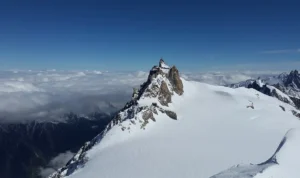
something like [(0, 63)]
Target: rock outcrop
[(270, 91), (165, 95), (175, 80), (162, 84), (293, 79)]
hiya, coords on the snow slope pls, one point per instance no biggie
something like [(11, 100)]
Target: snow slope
[(214, 130), (287, 158), (284, 162)]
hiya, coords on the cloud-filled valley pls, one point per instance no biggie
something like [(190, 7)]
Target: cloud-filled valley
[(48, 95), (45, 95)]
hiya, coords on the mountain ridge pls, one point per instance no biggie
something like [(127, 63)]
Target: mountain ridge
[(212, 122), (163, 82), (285, 87)]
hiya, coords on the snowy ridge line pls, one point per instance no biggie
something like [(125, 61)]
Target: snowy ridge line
[(152, 98), (273, 167), (213, 122), (78, 159)]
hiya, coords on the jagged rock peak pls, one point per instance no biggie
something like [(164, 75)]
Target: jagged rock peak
[(175, 80), (294, 72), (293, 79), (162, 83), (162, 64)]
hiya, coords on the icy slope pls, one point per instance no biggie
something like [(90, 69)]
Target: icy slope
[(287, 158), (284, 162), (215, 129)]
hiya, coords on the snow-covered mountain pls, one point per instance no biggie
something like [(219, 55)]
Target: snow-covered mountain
[(178, 128), (285, 87)]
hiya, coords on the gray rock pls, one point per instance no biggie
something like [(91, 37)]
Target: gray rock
[(165, 95), (175, 80), (171, 114)]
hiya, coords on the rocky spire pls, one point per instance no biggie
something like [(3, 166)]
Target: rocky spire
[(162, 64), (293, 79), (162, 84), (175, 80)]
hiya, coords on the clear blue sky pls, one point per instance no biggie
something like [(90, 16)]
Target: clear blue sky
[(134, 34)]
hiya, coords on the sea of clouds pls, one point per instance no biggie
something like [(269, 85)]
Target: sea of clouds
[(48, 95), (227, 77)]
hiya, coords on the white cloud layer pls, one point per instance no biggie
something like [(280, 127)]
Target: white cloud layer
[(224, 78), (48, 95), (56, 163)]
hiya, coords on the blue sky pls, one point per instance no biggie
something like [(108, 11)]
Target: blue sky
[(134, 34)]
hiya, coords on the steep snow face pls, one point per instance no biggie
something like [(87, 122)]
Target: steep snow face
[(284, 162), (287, 158), (214, 128)]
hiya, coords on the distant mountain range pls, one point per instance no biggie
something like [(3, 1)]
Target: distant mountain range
[(285, 87)]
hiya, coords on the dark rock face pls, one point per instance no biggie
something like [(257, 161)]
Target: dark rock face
[(175, 80), (293, 78), (275, 94), (282, 107), (148, 114), (296, 102), (295, 113), (264, 89), (254, 85), (24, 147), (165, 95), (171, 114), (267, 91)]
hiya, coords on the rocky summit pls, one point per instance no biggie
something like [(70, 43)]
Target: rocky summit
[(176, 128), (152, 98)]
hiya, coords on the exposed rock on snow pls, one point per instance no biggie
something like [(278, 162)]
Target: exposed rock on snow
[(282, 107), (295, 113), (293, 79), (164, 94), (175, 80), (163, 82), (171, 114), (285, 87), (213, 131)]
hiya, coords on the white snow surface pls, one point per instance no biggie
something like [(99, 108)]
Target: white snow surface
[(214, 131), (288, 158), (284, 162)]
